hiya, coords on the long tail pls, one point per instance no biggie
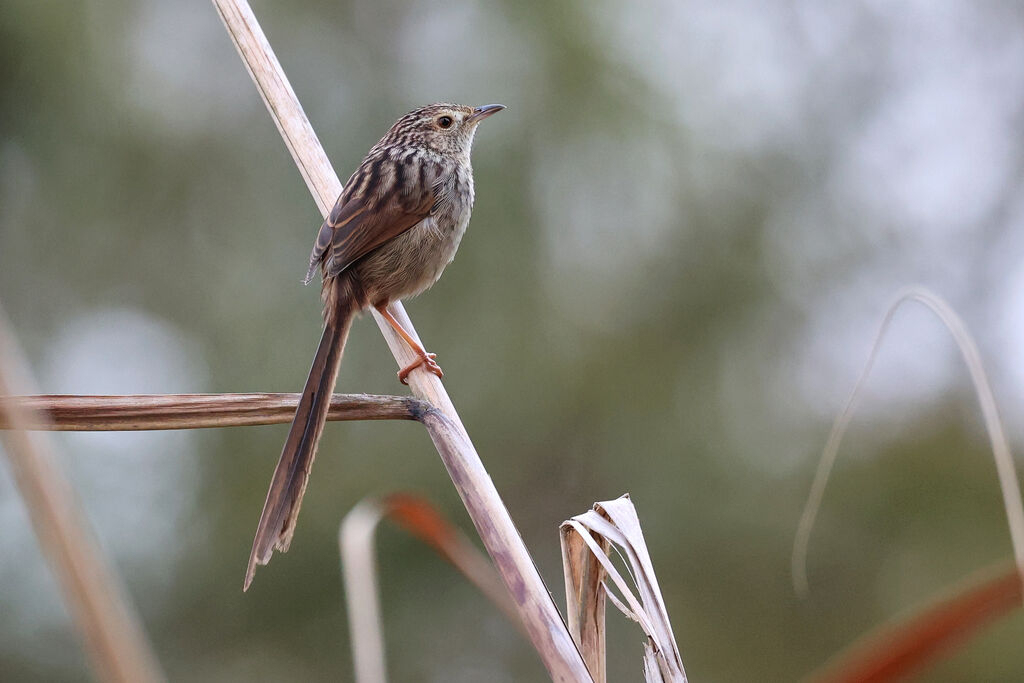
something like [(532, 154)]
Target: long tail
[(277, 523)]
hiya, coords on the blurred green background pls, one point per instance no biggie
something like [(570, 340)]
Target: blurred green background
[(688, 224)]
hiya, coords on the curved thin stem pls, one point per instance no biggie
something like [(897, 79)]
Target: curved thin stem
[(993, 425)]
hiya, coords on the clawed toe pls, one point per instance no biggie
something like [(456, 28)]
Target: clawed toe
[(426, 360)]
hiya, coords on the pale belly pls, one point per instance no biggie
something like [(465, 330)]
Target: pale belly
[(413, 261)]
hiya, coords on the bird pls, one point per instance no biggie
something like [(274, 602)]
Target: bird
[(395, 227)]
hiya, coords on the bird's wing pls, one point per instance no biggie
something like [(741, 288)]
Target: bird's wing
[(360, 223)]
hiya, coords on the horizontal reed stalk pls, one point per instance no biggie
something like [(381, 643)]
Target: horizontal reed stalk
[(193, 411)]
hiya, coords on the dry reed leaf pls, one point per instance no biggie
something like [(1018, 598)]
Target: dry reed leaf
[(1000, 448), (586, 540), (895, 651), (359, 570)]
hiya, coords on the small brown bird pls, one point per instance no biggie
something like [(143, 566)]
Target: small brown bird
[(395, 227)]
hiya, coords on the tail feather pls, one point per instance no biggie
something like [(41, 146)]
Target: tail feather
[(281, 509)]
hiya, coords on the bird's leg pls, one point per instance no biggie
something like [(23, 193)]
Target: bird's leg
[(425, 358)]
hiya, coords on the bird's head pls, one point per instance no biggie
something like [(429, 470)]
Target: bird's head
[(443, 128)]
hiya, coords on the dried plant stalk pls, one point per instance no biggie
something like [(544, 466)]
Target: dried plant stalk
[(586, 599), (112, 633), (362, 592), (616, 522), (546, 629), (194, 411)]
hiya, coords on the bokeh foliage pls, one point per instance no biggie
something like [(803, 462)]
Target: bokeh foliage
[(687, 223)]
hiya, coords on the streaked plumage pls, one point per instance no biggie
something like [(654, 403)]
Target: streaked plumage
[(395, 227)]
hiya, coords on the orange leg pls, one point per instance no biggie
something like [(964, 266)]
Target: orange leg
[(426, 359)]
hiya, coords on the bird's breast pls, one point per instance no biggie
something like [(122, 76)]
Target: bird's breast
[(413, 261)]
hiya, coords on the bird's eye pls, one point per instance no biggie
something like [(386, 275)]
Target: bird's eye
[(445, 122)]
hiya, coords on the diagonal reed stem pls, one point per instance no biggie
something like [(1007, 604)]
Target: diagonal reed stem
[(111, 631), (194, 411), (544, 625)]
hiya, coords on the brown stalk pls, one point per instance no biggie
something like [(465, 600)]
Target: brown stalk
[(194, 411), (542, 621), (586, 600), (111, 631)]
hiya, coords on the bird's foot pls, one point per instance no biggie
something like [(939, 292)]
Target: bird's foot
[(427, 360)]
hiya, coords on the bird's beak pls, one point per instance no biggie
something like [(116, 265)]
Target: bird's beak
[(481, 113)]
